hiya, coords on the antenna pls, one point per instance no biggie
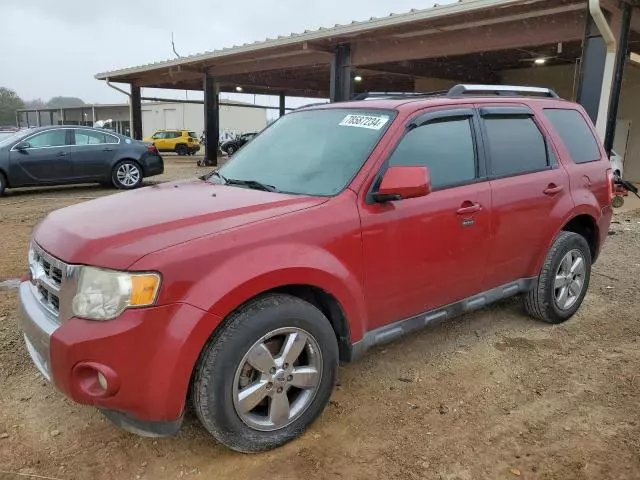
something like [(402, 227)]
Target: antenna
[(173, 46)]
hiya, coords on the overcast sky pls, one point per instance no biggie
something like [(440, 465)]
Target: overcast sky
[(55, 47)]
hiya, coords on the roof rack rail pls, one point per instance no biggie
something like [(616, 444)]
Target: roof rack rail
[(505, 90), (391, 95)]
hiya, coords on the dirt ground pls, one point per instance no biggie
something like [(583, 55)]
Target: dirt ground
[(491, 395)]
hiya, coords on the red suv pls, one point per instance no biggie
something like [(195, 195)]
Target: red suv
[(338, 228)]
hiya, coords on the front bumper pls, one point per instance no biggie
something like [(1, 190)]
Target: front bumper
[(37, 326), (146, 355)]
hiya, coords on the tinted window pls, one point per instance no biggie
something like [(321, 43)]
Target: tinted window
[(575, 133), (50, 138), (193, 134), (315, 152), (87, 137), (515, 145), (446, 148)]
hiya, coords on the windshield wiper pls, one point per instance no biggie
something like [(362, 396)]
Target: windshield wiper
[(217, 174), (254, 184)]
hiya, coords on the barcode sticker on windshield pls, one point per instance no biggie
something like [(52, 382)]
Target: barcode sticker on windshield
[(365, 121)]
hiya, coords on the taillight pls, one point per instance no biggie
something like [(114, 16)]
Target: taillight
[(152, 148), (611, 183)]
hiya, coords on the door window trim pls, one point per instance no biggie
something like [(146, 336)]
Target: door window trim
[(514, 111), (74, 144), (440, 116), (67, 139)]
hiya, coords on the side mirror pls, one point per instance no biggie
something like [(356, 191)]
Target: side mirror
[(401, 183), (22, 145)]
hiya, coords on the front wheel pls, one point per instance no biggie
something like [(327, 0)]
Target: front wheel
[(267, 374), (126, 175), (563, 281), (3, 184)]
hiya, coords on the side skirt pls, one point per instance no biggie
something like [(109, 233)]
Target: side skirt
[(391, 332)]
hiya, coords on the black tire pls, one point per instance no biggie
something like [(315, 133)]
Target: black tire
[(3, 183), (182, 150), (540, 302), (213, 387), (122, 183)]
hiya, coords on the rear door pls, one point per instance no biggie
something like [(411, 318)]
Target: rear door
[(92, 153), (427, 252), (47, 160), (528, 187)]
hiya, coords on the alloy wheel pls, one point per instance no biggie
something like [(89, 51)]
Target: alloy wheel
[(277, 379), (569, 280), (128, 175)]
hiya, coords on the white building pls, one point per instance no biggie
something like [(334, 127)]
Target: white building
[(235, 117)]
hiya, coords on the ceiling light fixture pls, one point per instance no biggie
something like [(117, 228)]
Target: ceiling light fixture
[(540, 61), (357, 78), (239, 89)]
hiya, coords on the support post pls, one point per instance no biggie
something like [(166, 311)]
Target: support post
[(93, 114), (136, 113), (592, 70), (17, 119), (51, 117), (38, 121), (62, 119), (341, 84), (211, 120), (283, 104), (622, 56)]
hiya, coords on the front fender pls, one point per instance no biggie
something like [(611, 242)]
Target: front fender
[(246, 275)]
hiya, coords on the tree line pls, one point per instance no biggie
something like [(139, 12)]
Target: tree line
[(10, 101)]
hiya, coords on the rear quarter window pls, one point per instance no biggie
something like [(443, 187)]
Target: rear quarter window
[(575, 134)]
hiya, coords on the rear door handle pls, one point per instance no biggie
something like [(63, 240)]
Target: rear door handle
[(107, 149), (62, 154), (468, 207), (553, 189)]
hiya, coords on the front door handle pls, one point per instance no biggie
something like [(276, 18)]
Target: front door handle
[(107, 149), (468, 207), (553, 189), (62, 154)]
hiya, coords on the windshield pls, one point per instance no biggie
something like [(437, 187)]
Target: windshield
[(6, 137), (314, 152)]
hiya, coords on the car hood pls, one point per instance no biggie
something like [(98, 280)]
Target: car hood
[(116, 230)]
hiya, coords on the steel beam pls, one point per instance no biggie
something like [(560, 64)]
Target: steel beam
[(136, 113), (211, 119), (283, 104), (341, 83), (621, 59)]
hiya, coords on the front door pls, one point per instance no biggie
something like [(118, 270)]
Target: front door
[(529, 190), (46, 160), (424, 253), (92, 153)]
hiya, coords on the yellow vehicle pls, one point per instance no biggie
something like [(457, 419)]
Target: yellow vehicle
[(182, 142)]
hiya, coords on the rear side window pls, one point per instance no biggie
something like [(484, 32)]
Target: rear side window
[(446, 148), (516, 146), (575, 133)]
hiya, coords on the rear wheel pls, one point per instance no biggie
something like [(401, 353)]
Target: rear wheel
[(267, 374), (182, 150), (3, 184), (126, 175), (563, 281)]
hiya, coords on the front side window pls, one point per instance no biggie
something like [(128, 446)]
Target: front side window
[(575, 134), (516, 146), (88, 137), (446, 148), (314, 152), (50, 138)]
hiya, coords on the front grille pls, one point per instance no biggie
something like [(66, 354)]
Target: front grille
[(47, 277)]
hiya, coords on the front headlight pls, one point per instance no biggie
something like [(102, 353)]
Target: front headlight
[(105, 294)]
